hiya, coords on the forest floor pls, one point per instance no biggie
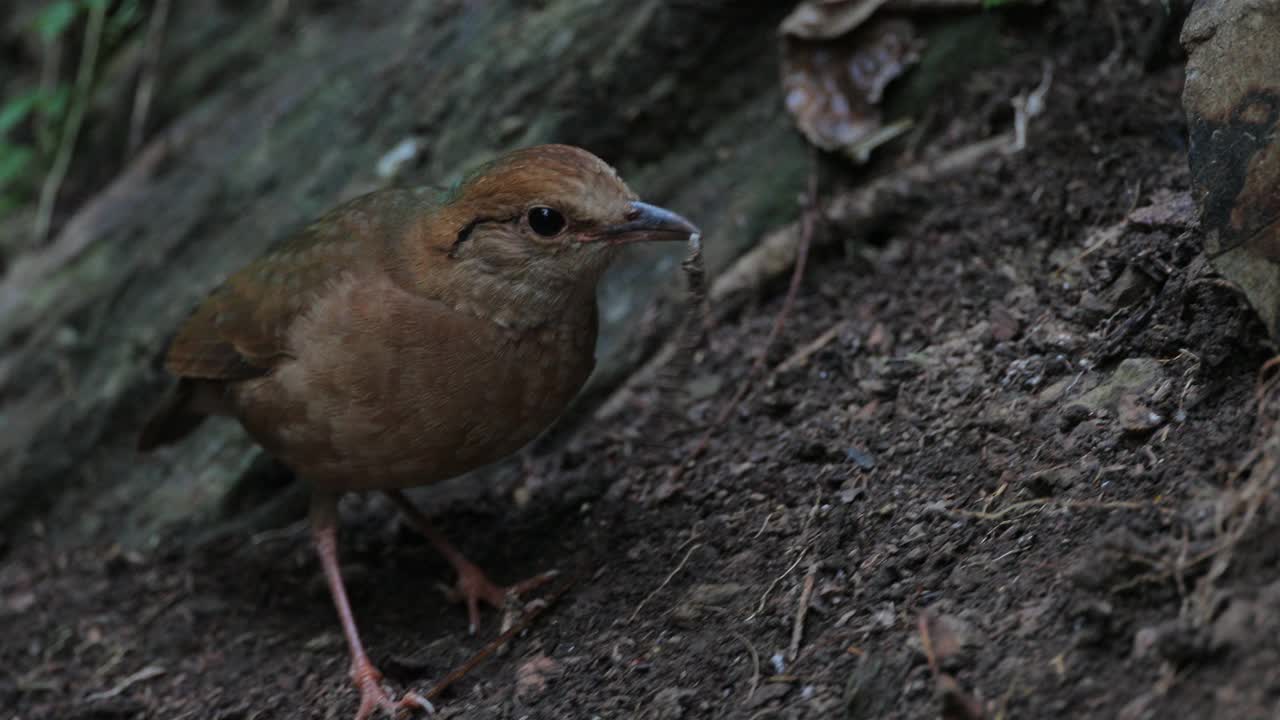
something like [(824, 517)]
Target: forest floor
[(992, 473)]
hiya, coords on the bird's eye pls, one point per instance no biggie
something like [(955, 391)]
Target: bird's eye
[(545, 221)]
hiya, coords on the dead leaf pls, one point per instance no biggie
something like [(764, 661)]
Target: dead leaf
[(833, 87)]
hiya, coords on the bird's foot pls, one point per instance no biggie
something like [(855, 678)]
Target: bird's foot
[(474, 587), (373, 696)]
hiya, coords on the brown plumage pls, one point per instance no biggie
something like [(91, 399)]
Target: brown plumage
[(405, 338)]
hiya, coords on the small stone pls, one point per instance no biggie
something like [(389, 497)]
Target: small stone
[(1134, 417), (1133, 376), (1144, 642), (1004, 326), (703, 387), (859, 458)]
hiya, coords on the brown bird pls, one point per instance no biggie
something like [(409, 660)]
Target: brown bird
[(406, 338)]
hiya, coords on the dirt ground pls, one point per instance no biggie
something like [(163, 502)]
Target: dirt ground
[(990, 480)]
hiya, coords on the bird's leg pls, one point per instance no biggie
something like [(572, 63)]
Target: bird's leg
[(473, 585), (324, 528)]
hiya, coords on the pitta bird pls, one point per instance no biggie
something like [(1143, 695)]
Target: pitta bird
[(405, 338)]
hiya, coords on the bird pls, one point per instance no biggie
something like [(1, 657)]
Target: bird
[(408, 336)]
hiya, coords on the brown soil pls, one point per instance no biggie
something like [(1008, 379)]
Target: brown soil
[(936, 479)]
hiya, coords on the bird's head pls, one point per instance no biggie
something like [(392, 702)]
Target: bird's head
[(545, 220)]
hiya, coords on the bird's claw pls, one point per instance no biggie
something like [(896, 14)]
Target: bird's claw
[(474, 587), (373, 696)]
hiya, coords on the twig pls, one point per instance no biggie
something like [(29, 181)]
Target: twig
[(1116, 505), (145, 673), (765, 597), (498, 642), (147, 76), (1029, 105), (658, 589), (763, 525), (71, 131), (802, 609), (693, 329), (801, 356), (755, 665)]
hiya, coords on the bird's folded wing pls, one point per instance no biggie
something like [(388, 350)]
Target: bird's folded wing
[(241, 329)]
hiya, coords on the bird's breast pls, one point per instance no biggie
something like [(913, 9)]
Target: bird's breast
[(386, 389)]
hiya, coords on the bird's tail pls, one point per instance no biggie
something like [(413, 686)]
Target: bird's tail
[(173, 418)]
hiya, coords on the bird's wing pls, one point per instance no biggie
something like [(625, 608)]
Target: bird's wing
[(241, 329)]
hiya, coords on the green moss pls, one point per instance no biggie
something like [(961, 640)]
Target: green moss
[(955, 49)]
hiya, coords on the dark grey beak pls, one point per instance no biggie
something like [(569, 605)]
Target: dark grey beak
[(648, 222)]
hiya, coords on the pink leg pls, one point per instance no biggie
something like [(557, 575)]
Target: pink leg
[(473, 585), (324, 521)]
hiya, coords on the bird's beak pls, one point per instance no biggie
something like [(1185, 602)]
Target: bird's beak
[(647, 222)]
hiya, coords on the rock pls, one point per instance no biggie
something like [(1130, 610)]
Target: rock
[(1132, 377), (1232, 101)]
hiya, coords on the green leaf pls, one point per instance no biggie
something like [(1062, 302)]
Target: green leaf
[(13, 161), (17, 109), (55, 18)]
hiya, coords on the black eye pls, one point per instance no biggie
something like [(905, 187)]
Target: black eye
[(545, 221)]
